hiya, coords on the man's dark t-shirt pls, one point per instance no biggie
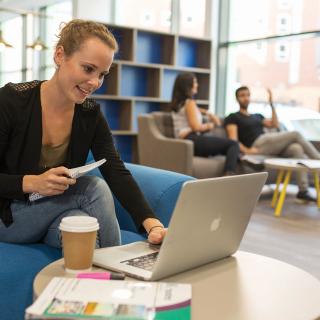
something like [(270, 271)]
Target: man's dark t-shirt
[(250, 127)]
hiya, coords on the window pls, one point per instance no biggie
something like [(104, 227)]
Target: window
[(29, 52), (244, 15), (308, 127), (282, 51), (57, 14), (283, 24), (250, 19), (272, 44), (292, 73), (11, 58)]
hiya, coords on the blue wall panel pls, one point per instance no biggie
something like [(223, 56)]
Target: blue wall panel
[(111, 111), (143, 107), (124, 147), (119, 37), (169, 77), (187, 53), (102, 89), (133, 81), (148, 48)]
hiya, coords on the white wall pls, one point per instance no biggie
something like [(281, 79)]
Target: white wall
[(97, 10)]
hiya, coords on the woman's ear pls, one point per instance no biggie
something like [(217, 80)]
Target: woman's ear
[(59, 56)]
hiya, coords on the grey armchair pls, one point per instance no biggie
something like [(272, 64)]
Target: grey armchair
[(158, 148)]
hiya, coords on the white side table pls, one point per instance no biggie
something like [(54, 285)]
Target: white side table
[(285, 168), (243, 287)]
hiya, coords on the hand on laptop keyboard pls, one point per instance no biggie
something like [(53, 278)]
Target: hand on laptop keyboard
[(157, 235)]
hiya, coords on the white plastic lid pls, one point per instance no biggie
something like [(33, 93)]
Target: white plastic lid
[(79, 224)]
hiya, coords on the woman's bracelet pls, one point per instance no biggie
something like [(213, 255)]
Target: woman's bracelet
[(158, 226)]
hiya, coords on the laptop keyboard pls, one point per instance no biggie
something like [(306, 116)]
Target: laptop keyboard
[(144, 262)]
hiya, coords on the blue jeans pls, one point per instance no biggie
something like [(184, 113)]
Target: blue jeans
[(39, 220)]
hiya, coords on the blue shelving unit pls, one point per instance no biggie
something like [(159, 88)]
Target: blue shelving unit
[(203, 80), (168, 79), (142, 77), (193, 53), (187, 53), (133, 81), (117, 113), (111, 111), (141, 107), (154, 48), (139, 81), (125, 38), (126, 147), (110, 82)]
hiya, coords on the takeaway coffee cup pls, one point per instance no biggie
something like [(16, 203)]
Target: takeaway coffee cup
[(79, 234)]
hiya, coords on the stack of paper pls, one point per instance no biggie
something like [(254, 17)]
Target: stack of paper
[(67, 298)]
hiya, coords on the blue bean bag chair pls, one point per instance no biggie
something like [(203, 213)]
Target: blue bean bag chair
[(19, 264)]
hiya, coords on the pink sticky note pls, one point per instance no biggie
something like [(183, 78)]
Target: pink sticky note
[(94, 275)]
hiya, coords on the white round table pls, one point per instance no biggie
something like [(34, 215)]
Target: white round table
[(285, 167), (245, 286)]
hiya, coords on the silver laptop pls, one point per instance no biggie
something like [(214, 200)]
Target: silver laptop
[(208, 223)]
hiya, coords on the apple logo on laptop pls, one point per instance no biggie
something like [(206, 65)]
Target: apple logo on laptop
[(215, 224)]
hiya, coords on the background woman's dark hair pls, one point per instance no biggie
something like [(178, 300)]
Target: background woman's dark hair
[(182, 90)]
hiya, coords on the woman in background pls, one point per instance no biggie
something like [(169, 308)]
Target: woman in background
[(188, 120)]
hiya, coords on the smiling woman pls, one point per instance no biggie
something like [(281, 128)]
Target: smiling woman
[(83, 55), (47, 127)]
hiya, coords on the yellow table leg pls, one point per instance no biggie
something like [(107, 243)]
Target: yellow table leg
[(276, 191), (316, 184), (279, 206)]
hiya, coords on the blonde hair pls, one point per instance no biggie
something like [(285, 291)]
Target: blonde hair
[(77, 31)]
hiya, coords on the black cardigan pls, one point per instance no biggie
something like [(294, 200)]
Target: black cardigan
[(21, 141)]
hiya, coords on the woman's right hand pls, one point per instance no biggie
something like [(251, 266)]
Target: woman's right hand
[(52, 182)]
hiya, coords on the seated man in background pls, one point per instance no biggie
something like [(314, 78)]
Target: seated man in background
[(248, 129)]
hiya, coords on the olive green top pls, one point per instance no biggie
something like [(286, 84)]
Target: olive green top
[(53, 156)]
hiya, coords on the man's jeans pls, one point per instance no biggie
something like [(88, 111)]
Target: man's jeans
[(289, 145), (39, 220)]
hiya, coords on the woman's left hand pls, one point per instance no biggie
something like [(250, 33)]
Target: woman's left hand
[(157, 235)]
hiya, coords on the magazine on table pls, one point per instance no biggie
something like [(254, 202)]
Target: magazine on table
[(72, 298)]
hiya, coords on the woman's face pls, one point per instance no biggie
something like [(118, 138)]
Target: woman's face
[(80, 74), (194, 89)]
